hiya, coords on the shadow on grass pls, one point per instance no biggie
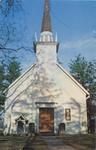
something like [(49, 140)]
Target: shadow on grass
[(35, 143), (86, 142), (29, 143), (12, 142)]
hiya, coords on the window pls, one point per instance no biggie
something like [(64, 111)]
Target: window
[(68, 114)]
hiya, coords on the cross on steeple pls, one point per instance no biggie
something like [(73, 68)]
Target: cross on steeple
[(46, 22)]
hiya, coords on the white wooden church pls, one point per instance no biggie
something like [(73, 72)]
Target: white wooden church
[(46, 95)]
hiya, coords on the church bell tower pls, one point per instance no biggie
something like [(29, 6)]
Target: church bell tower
[(46, 47)]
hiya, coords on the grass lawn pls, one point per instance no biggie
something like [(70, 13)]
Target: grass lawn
[(35, 143), (84, 142), (12, 142), (79, 142), (21, 143)]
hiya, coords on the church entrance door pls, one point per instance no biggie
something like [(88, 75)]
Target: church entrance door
[(46, 120)]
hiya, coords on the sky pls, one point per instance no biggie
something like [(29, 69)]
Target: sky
[(74, 21)]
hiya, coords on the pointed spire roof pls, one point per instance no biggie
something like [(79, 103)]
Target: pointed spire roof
[(46, 22)]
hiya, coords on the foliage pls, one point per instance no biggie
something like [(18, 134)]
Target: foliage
[(78, 69), (85, 72), (7, 75), (2, 84), (14, 70)]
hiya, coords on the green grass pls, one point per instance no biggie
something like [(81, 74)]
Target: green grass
[(12, 142), (80, 142), (18, 142), (84, 142), (36, 143)]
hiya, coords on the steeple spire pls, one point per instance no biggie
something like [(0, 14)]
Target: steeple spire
[(46, 22), (46, 37)]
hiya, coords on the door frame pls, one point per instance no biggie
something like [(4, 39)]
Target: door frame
[(52, 108)]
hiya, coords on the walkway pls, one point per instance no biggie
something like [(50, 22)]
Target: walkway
[(46, 143), (55, 143)]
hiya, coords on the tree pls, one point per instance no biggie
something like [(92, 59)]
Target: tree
[(8, 28), (13, 70), (6, 6), (78, 68), (7, 75), (85, 72), (2, 85)]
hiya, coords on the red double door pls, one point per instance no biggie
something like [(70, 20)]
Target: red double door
[(46, 120)]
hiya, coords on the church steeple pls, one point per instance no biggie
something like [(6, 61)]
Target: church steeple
[(46, 47), (46, 22), (46, 28)]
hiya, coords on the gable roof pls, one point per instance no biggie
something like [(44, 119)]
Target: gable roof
[(73, 79), (14, 82), (61, 68)]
